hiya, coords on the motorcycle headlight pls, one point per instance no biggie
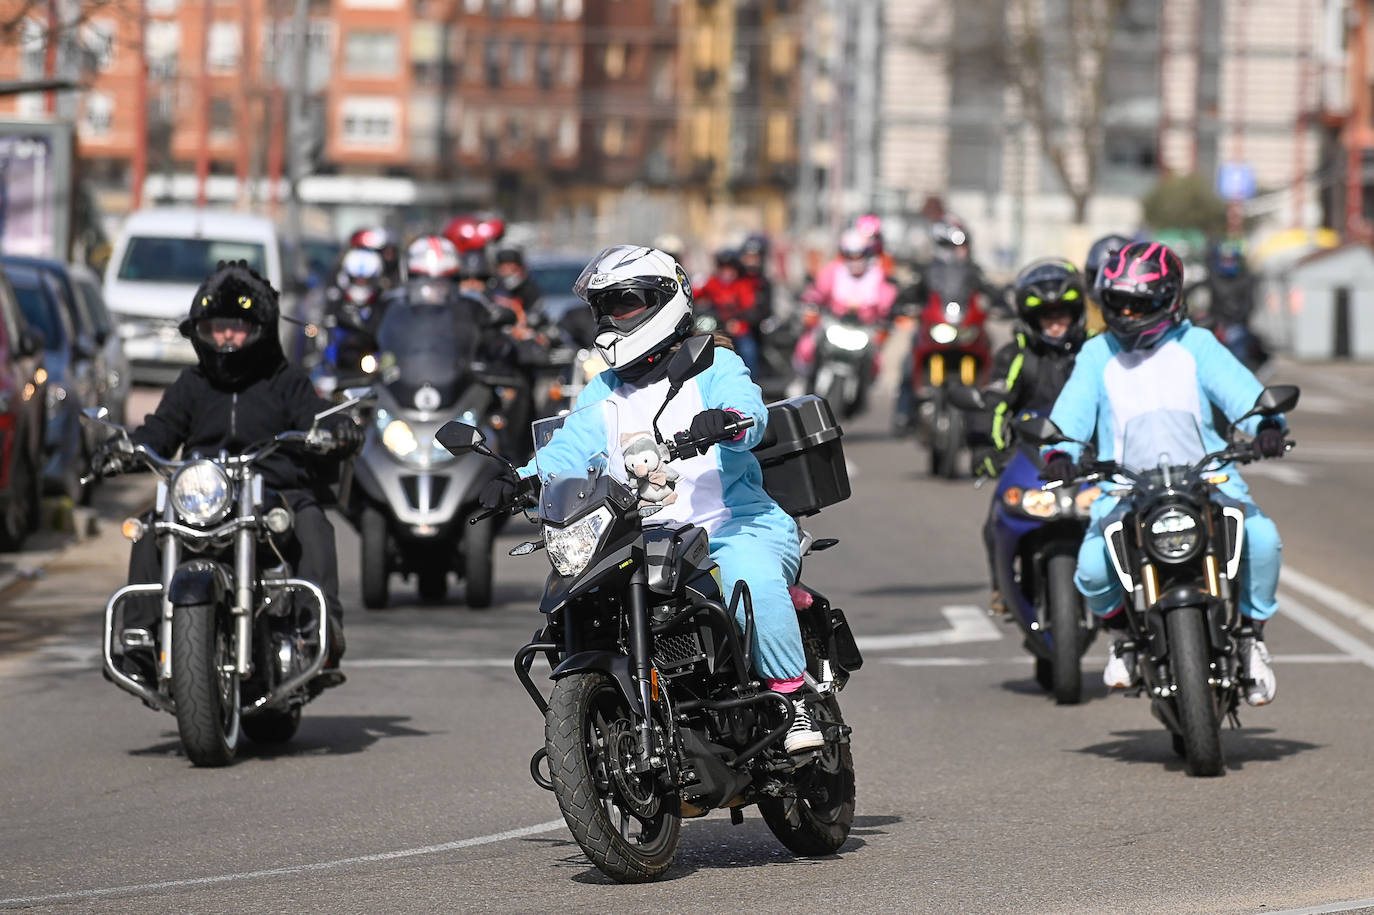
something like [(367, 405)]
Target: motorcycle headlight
[(1175, 535), (851, 339), (944, 333), (56, 393), (401, 440), (1040, 503), (571, 548), (200, 493)]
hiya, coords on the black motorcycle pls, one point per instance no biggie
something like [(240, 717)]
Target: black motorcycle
[(656, 711), (1175, 542), (239, 641)]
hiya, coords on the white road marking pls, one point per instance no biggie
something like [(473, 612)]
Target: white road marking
[(143, 888), (1092, 661), (1283, 471), (431, 662), (967, 624), (1349, 905), (1326, 630), (1332, 599)]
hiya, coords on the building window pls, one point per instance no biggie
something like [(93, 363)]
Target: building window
[(779, 136), (572, 66), (224, 46), (371, 54), (472, 7), (491, 61), (613, 138), (572, 9), (162, 7), (548, 9), (371, 122), (163, 46), (567, 136), (661, 83), (496, 8), (522, 8), (519, 63), (470, 135), (221, 118), (613, 61), (99, 111), (543, 66), (373, 4), (99, 41)]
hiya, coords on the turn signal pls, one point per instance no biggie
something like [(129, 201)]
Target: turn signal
[(653, 683), (1219, 479), (132, 529), (1012, 496)]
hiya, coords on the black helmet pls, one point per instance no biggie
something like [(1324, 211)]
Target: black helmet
[(233, 325), (473, 265), (510, 256), (1102, 249), (1140, 290), (727, 257), (1051, 284)]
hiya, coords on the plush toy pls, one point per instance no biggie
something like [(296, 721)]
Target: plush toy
[(647, 465)]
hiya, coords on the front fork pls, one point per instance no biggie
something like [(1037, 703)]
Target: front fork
[(171, 558), (245, 552), (641, 663)]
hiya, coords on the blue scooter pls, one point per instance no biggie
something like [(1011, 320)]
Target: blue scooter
[(1036, 537)]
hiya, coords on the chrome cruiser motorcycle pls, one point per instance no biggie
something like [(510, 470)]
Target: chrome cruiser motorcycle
[(239, 641), (656, 711), (1175, 542)]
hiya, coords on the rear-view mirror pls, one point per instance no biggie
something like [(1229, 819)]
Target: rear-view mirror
[(1279, 398), (691, 359), (459, 438), (1039, 430), (966, 398)]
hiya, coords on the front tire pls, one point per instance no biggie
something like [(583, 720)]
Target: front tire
[(1066, 632), (1195, 701), (205, 684), (817, 821), (477, 564), (372, 527), (601, 801)]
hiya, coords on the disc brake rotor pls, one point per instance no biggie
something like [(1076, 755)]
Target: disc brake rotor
[(636, 790)]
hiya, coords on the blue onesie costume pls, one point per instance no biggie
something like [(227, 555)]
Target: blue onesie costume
[(752, 538), (1188, 371)]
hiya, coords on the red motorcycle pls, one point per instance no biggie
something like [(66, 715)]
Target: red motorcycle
[(950, 346)]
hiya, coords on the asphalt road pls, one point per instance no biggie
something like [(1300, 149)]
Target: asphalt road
[(407, 789)]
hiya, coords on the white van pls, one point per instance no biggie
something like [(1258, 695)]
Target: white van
[(158, 262)]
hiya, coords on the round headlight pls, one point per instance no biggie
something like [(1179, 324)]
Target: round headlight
[(944, 333), (1175, 535), (399, 439), (200, 493)]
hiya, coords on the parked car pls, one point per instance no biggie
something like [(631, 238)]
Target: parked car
[(99, 353), (23, 385), (66, 446), (158, 262)]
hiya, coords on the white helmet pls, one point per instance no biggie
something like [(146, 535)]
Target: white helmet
[(432, 256), (642, 301), (361, 275)]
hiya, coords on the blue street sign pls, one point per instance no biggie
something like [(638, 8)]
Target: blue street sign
[(1235, 181)]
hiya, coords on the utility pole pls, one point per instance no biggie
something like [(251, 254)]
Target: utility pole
[(203, 93), (138, 166), (297, 132), (867, 64)]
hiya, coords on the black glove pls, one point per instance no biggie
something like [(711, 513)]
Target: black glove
[(347, 434), (985, 462), (1269, 441), (111, 461), (1058, 468), (499, 492), (709, 425)]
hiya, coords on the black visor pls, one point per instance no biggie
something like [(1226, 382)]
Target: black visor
[(628, 305), (1121, 302)]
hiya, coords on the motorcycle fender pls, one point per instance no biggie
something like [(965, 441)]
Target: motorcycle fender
[(616, 666), (199, 581)]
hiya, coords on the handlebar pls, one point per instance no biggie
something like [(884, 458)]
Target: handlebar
[(683, 445), (1093, 471)]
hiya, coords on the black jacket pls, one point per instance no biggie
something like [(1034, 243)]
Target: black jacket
[(1025, 377), (202, 418)]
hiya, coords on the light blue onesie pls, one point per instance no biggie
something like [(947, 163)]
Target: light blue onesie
[(1187, 371), (752, 539)]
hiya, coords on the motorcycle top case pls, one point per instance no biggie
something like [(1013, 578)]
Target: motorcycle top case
[(802, 456)]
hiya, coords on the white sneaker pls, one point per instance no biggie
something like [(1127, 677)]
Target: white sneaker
[(1262, 683), (802, 736), (1120, 670)]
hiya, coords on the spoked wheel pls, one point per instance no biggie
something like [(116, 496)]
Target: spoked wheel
[(626, 823), (1195, 701), (205, 684), (1066, 630), (817, 820)]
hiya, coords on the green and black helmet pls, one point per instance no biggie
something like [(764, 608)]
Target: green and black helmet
[(1049, 285)]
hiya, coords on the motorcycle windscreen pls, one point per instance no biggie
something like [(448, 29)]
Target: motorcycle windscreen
[(1161, 438), (951, 282), (577, 444), (427, 353)]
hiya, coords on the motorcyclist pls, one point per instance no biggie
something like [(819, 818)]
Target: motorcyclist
[(1029, 372), (1152, 358), (753, 266), (1231, 292), (387, 245), (730, 296), (852, 283), (241, 392), (1101, 250), (353, 306), (643, 303), (514, 285)]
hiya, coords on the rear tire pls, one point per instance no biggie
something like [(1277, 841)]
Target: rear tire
[(946, 440), (372, 528), (205, 686), (1196, 701), (1066, 629), (273, 727), (588, 714), (477, 563), (818, 820)]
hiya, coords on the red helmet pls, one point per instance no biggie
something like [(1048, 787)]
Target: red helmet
[(471, 233)]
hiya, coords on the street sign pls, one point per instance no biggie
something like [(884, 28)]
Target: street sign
[(1235, 181)]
